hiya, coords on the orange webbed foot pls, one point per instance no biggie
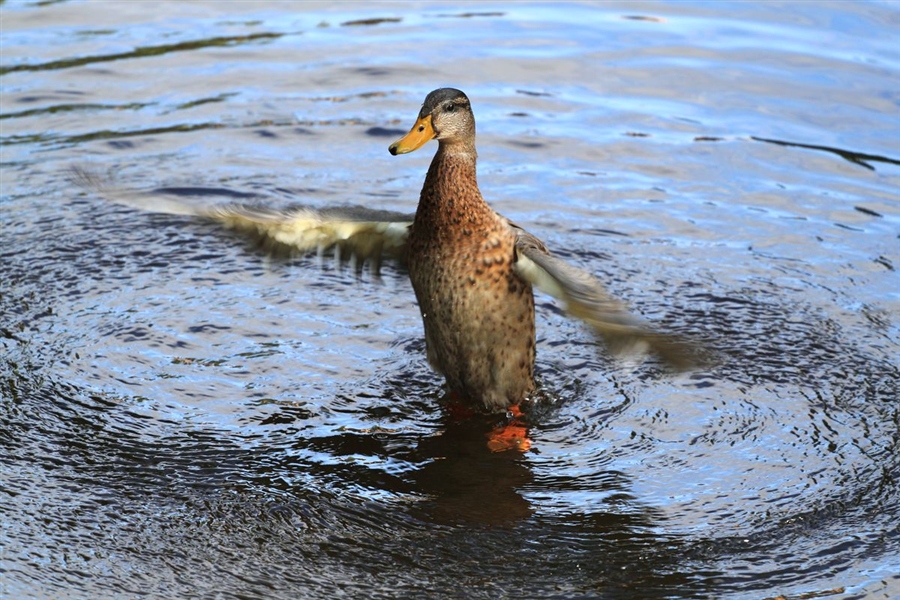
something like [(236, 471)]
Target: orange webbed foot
[(513, 435)]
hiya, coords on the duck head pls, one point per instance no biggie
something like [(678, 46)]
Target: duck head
[(446, 116)]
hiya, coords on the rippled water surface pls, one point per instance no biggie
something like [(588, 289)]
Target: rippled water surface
[(184, 416)]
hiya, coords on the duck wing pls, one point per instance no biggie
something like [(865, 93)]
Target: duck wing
[(585, 297), (354, 232)]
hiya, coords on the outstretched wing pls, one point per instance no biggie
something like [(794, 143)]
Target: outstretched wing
[(354, 232), (366, 235), (585, 298)]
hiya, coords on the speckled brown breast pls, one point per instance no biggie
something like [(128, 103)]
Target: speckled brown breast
[(478, 314)]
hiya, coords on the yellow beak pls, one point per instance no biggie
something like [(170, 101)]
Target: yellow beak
[(420, 133)]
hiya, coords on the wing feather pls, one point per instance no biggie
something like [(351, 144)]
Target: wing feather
[(353, 232), (585, 298)]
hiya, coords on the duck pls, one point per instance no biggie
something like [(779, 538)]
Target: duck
[(473, 271)]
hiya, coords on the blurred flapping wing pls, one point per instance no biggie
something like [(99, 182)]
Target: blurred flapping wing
[(585, 298), (361, 234)]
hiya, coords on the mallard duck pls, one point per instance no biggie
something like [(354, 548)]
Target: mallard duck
[(472, 269)]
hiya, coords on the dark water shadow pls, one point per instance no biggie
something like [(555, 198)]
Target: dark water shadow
[(857, 158), (143, 52)]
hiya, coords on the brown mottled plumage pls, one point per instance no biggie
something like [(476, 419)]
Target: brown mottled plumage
[(471, 269), (478, 313)]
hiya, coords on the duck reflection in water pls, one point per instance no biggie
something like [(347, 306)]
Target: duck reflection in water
[(467, 479)]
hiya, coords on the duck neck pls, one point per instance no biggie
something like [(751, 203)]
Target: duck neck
[(450, 199)]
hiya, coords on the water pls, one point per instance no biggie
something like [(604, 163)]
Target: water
[(185, 416)]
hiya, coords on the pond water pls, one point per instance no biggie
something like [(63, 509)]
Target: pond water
[(184, 416)]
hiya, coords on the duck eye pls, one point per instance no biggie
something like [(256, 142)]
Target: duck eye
[(449, 107)]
